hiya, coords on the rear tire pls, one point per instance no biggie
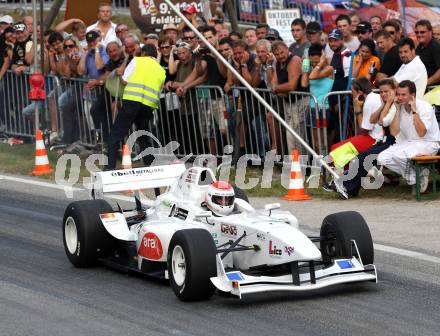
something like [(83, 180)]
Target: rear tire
[(191, 264), (338, 230), (84, 236)]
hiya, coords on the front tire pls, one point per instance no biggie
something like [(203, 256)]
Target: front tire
[(191, 264), (338, 230), (84, 237)]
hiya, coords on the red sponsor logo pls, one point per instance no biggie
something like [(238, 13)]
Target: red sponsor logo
[(151, 247), (273, 250)]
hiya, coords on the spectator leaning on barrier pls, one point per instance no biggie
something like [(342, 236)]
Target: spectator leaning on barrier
[(344, 24), (301, 43), (285, 80), (104, 24), (189, 136), (320, 80), (93, 61), (428, 49), (351, 181), (262, 79), (418, 131), (101, 110), (5, 22), (261, 30), (391, 59), (376, 24), (141, 97), (412, 67), (250, 37), (207, 67), (6, 51), (18, 62)]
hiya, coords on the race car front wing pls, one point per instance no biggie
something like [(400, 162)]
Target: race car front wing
[(341, 271)]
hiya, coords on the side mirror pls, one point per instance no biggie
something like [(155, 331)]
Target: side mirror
[(272, 206), (203, 214)]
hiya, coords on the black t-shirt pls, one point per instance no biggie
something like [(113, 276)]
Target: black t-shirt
[(19, 52), (430, 56), (214, 75), (391, 62), (112, 65), (165, 66)]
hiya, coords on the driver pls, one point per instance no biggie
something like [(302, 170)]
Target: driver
[(220, 198)]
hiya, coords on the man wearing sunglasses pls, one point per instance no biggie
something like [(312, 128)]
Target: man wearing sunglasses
[(190, 37), (429, 50), (391, 60)]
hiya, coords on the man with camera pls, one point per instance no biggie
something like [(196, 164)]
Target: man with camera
[(417, 133)]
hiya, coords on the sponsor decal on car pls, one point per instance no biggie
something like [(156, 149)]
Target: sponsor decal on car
[(214, 237), (274, 251), (345, 264), (137, 172), (228, 230), (289, 250), (151, 247), (234, 276)]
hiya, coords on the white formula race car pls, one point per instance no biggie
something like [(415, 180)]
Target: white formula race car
[(176, 238)]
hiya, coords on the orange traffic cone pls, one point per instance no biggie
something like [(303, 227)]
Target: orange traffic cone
[(41, 160), (296, 185), (126, 157)]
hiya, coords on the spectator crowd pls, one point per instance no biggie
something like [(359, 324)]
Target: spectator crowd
[(202, 104)]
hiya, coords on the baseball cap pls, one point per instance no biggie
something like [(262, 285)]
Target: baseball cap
[(272, 34), (92, 36), (335, 34), (313, 27), (190, 9), (364, 26), (152, 36), (6, 19), (169, 26), (20, 27)]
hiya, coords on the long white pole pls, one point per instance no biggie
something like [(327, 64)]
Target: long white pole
[(35, 66), (252, 90)]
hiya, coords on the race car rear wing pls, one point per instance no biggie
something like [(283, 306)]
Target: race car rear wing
[(135, 178)]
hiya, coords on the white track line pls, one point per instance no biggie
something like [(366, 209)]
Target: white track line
[(407, 253), (378, 247)]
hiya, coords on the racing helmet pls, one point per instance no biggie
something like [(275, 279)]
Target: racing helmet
[(220, 198)]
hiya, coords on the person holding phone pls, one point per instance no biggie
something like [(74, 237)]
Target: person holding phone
[(418, 134)]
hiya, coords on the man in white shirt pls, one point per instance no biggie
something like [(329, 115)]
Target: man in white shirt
[(418, 131), (412, 68), (104, 25)]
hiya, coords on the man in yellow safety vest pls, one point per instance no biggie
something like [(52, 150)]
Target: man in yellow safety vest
[(144, 78)]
